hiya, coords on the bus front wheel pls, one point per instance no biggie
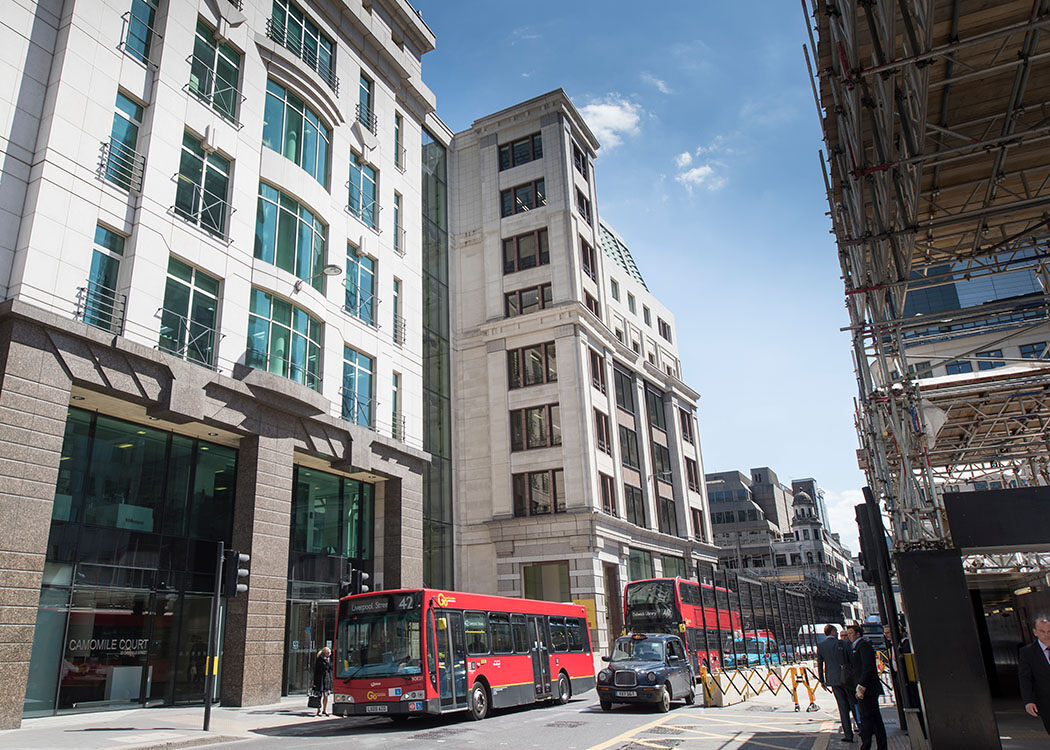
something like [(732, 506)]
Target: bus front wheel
[(564, 689), (479, 702)]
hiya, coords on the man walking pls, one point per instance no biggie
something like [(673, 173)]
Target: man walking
[(831, 658), (1033, 671), (869, 688)]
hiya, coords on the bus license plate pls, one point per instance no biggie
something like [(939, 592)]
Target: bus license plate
[(376, 709), (626, 693)]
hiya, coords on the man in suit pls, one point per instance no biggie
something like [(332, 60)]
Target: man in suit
[(831, 658), (869, 688), (1033, 671)]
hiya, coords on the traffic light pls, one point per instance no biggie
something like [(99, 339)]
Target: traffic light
[(235, 575), (354, 581)]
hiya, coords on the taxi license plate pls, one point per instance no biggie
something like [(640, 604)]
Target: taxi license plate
[(377, 709), (626, 693)]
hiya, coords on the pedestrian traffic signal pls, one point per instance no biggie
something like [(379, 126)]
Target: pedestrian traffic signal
[(354, 580), (235, 574)]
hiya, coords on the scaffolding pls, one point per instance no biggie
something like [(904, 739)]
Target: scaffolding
[(936, 122)]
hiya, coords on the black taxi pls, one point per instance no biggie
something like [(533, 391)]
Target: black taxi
[(646, 668)]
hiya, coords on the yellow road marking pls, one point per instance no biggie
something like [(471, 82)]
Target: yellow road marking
[(631, 733)]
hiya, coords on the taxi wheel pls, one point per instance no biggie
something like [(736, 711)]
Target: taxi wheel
[(564, 690), (690, 697), (479, 702), (663, 703), (605, 704)]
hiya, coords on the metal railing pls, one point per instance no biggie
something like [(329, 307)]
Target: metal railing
[(367, 117), (400, 157), (399, 329), (361, 306), (283, 367), (399, 241), (366, 211), (224, 99), (187, 339), (397, 426), (357, 409), (238, 4), (138, 39), (101, 307), (204, 208), (121, 165), (277, 32)]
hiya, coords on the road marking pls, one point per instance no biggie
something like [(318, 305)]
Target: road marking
[(631, 733)]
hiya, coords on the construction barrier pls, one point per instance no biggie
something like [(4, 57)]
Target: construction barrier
[(728, 686)]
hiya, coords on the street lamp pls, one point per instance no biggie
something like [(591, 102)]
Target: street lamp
[(330, 270)]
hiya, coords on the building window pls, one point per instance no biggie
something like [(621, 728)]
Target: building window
[(1034, 351), (397, 419), (614, 289), (358, 375), (546, 581), (607, 486), (532, 365), (99, 304), (631, 303), (362, 188), (535, 427), (692, 474), (189, 317), (399, 319), (629, 448), (296, 132), (624, 389), (399, 229), (290, 28), (699, 533), (522, 198), (583, 205), (579, 160), (661, 462), (366, 111), (525, 301), (635, 505), (958, 367), (685, 418), (989, 360), (331, 515), (526, 251), (647, 316), (673, 567), (399, 142), (597, 370), (664, 328), (520, 151), (539, 493), (639, 565), (360, 285), (290, 236), (203, 186), (654, 402), (592, 305), (601, 428), (121, 163), (587, 259), (139, 35), (215, 72), (668, 520), (284, 339)]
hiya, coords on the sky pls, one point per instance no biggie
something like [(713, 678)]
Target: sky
[(709, 170)]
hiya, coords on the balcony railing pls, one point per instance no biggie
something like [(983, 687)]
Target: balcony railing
[(101, 307), (356, 408), (202, 207), (284, 367), (400, 156), (121, 165), (138, 39), (365, 210), (187, 339), (238, 4), (399, 329), (397, 426), (362, 306), (223, 97), (399, 241), (367, 117), (324, 68)]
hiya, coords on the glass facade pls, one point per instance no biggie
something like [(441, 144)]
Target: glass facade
[(130, 566), (189, 318), (437, 411), (284, 340), (290, 236), (294, 130)]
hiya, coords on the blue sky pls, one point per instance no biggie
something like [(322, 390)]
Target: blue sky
[(709, 170)]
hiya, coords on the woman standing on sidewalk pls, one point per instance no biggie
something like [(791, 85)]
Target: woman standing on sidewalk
[(323, 678)]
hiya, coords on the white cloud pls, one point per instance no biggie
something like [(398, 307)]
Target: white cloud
[(683, 160), (659, 84), (612, 118), (710, 167), (524, 34), (705, 176)]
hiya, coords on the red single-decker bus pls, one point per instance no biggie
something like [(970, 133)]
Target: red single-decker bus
[(422, 651)]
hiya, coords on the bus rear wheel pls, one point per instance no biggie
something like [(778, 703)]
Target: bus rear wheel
[(479, 702), (564, 690)]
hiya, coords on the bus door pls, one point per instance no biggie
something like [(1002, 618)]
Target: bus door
[(451, 659), (541, 658)]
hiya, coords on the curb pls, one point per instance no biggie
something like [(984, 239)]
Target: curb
[(216, 739)]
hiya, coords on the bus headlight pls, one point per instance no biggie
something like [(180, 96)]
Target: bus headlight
[(340, 698), (651, 677), (414, 695), (604, 675)]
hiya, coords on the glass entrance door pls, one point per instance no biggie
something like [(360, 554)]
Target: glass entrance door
[(452, 659), (310, 626), (541, 660)]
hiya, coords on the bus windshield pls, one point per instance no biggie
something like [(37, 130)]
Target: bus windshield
[(379, 636), (651, 607)]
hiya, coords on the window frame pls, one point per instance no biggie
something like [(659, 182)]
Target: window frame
[(522, 503), (518, 358), (541, 253), (544, 295), (629, 448), (602, 432), (534, 142), (318, 164), (522, 419), (511, 206)]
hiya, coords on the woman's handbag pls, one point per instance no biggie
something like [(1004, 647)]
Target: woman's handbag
[(313, 700)]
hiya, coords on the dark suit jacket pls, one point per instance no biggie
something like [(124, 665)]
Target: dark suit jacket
[(1033, 672), (866, 668), (831, 655)]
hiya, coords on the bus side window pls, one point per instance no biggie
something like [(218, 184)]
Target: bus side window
[(690, 593), (476, 626), (574, 629), (521, 641), (431, 650), (499, 627), (558, 638)]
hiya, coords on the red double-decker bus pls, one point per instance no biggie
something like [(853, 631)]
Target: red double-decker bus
[(421, 651), (701, 614)]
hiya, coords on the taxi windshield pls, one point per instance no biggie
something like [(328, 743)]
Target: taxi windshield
[(638, 649)]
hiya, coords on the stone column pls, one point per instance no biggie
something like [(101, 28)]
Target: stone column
[(403, 530), (34, 399), (253, 648)]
